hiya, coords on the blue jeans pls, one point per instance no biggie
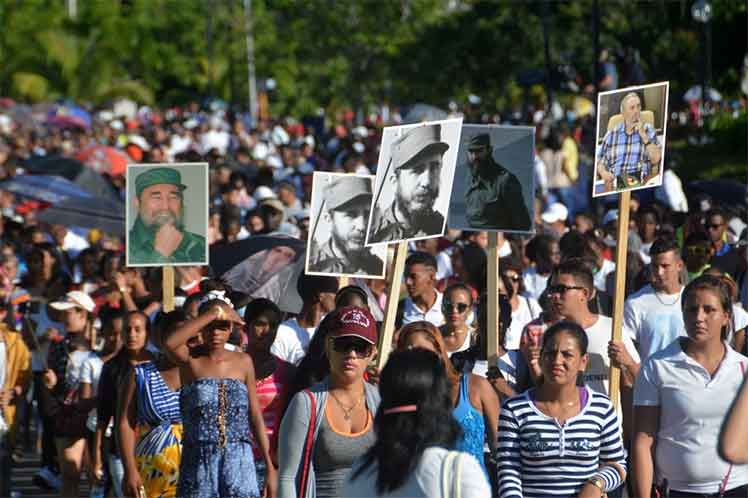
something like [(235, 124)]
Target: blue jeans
[(117, 474)]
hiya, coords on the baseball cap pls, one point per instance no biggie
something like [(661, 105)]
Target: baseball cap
[(263, 192), (345, 189), (274, 203), (158, 176), (479, 142), (75, 299), (356, 322)]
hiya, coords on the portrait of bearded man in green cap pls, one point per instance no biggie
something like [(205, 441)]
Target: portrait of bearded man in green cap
[(158, 235)]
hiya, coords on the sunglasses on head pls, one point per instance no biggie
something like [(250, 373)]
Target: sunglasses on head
[(347, 344), (460, 307), (562, 289)]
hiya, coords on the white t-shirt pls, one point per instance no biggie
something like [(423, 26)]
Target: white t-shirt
[(527, 311), (602, 274), (90, 374), (425, 481), (413, 313), (651, 322), (692, 408), (535, 283), (598, 367), (513, 368), (292, 341)]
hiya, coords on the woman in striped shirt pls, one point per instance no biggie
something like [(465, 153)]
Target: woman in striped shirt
[(560, 439)]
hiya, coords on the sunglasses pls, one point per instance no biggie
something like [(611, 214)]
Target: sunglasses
[(513, 278), (562, 289), (713, 227), (222, 324), (347, 344), (460, 307)]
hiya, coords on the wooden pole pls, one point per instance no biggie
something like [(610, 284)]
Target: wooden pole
[(622, 242), (167, 285), (343, 281), (393, 297), (492, 293)]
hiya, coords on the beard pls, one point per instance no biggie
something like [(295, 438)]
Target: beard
[(162, 218)]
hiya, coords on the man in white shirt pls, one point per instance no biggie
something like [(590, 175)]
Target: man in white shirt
[(318, 295), (424, 302), (652, 317), (571, 286)]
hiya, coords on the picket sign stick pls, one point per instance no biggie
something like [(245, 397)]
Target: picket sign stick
[(622, 243), (167, 284), (343, 281), (393, 297), (492, 325)]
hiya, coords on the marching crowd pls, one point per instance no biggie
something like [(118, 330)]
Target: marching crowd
[(227, 397)]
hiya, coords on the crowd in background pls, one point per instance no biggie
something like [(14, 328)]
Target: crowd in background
[(106, 381)]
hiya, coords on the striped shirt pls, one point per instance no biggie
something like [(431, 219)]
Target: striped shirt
[(540, 458), (623, 153)]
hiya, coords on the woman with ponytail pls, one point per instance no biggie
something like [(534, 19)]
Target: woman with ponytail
[(416, 433)]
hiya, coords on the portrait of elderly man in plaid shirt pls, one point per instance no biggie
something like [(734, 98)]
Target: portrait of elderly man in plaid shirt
[(629, 155)]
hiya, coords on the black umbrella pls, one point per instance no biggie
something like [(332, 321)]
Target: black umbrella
[(262, 266), (93, 212), (73, 170)]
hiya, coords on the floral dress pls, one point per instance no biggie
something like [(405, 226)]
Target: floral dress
[(217, 453), (159, 448)]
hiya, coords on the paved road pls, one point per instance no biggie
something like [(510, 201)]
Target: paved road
[(22, 475)]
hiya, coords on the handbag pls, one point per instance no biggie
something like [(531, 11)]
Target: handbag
[(451, 467), (308, 443)]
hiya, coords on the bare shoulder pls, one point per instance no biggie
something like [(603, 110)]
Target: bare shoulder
[(478, 384)]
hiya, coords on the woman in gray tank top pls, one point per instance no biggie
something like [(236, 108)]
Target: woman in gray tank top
[(329, 426)]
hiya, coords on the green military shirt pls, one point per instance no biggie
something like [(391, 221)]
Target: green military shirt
[(387, 228), (141, 251), (494, 200), (327, 261)]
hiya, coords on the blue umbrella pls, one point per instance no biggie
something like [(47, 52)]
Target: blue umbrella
[(69, 116), (47, 188)]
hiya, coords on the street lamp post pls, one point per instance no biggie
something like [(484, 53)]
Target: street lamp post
[(701, 12)]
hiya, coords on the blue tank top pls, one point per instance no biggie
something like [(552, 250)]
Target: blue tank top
[(471, 421)]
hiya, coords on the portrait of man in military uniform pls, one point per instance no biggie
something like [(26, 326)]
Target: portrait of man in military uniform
[(158, 236), (336, 241), (494, 185), (414, 177)]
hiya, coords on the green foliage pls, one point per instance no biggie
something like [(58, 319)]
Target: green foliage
[(335, 53)]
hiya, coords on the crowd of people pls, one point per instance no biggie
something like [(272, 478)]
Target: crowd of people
[(221, 397)]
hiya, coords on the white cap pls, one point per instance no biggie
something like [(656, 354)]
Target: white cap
[(556, 212), (139, 141), (263, 192), (75, 299)]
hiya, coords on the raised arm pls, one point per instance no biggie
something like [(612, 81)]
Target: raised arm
[(176, 344), (733, 446)]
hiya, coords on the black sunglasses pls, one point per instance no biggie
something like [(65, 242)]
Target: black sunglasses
[(347, 344), (513, 278), (460, 307), (562, 289), (713, 227)]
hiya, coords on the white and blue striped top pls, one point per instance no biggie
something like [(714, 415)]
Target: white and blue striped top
[(540, 458)]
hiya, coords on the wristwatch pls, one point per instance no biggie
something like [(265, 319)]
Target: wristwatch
[(598, 483)]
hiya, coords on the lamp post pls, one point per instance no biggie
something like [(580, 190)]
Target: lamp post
[(701, 12)]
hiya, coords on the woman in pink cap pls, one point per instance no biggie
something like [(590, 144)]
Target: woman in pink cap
[(330, 425)]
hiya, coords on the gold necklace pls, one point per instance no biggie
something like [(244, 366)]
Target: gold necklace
[(346, 409)]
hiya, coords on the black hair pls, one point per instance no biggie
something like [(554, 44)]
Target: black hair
[(716, 285), (697, 238), (421, 258), (573, 329), (508, 287), (344, 295), (648, 210), (716, 211), (577, 268), (263, 307), (539, 248), (310, 287), (166, 325), (459, 286), (148, 327), (413, 377), (314, 366), (662, 245)]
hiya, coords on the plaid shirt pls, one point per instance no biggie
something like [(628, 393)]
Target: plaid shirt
[(622, 153)]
